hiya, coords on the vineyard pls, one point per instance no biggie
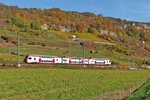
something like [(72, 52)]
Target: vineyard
[(49, 32), (57, 43), (67, 83)]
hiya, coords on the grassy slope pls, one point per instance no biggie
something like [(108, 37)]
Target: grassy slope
[(142, 94), (64, 83)]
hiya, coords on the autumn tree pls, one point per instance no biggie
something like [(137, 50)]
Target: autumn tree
[(81, 27)]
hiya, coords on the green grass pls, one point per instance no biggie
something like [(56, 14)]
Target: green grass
[(65, 84), (142, 94)]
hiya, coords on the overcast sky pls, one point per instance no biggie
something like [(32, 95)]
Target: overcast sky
[(135, 10)]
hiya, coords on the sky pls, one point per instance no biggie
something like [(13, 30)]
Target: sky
[(131, 10)]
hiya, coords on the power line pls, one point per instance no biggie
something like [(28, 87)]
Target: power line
[(94, 7)]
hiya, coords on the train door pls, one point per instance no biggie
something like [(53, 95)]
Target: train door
[(86, 61), (57, 60), (36, 59), (107, 62), (91, 61), (65, 60)]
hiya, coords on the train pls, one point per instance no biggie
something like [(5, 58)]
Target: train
[(44, 59)]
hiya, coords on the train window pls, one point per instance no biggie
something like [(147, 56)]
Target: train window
[(34, 58), (99, 62), (64, 59)]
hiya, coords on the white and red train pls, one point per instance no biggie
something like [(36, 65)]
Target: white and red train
[(41, 59)]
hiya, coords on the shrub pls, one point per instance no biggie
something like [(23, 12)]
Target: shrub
[(9, 39), (92, 30), (35, 25)]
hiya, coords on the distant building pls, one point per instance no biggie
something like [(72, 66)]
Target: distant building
[(73, 37), (44, 27)]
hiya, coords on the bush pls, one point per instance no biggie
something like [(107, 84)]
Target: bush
[(19, 23), (35, 25), (32, 43), (43, 44), (92, 30), (13, 53), (9, 39)]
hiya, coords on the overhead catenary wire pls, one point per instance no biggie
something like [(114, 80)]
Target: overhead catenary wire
[(94, 7)]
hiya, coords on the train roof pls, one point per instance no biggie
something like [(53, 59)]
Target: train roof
[(35, 55), (101, 58), (40, 55)]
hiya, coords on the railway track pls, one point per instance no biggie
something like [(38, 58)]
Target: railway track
[(54, 65)]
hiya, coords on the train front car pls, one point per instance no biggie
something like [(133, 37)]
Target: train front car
[(31, 59)]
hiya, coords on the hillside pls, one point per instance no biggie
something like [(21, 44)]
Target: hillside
[(48, 32)]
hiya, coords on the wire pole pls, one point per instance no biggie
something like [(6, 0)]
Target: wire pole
[(18, 51), (84, 54)]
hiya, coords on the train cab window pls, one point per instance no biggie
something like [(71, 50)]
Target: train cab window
[(29, 58)]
